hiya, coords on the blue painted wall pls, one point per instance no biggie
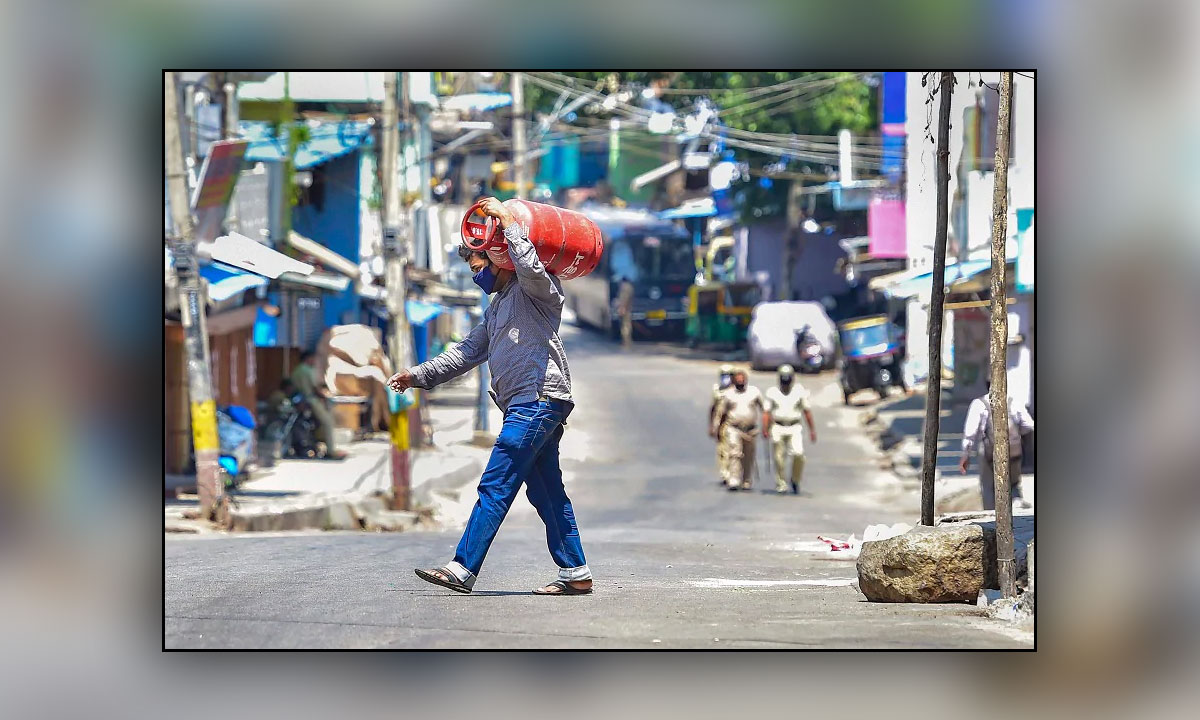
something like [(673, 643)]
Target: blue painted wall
[(331, 217)]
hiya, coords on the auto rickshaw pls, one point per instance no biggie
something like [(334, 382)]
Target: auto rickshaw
[(719, 313), (871, 356)]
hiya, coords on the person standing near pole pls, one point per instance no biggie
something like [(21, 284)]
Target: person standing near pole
[(531, 384), (787, 406), (312, 385), (980, 433), (625, 311)]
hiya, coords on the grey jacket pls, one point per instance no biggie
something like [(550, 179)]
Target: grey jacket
[(518, 336)]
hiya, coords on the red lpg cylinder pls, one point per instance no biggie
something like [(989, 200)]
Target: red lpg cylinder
[(568, 243)]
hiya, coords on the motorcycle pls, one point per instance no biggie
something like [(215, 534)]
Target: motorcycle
[(809, 351), (292, 431)]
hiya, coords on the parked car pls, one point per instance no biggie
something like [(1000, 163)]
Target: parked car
[(771, 337)]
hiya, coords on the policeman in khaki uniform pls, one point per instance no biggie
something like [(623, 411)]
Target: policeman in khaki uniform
[(725, 381), (787, 405), (740, 410)]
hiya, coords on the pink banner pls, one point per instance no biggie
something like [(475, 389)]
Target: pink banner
[(885, 227)]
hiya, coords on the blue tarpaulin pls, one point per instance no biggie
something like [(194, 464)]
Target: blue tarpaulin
[(224, 282), (419, 315), (476, 102), (954, 272), (326, 142), (703, 208)]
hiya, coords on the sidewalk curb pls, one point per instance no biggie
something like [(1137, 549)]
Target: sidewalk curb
[(448, 484), (350, 511), (353, 511)]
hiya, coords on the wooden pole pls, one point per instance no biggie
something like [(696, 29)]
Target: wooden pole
[(205, 443), (399, 342), (999, 349), (933, 389), (518, 133)]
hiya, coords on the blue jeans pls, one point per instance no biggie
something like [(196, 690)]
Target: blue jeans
[(526, 451)]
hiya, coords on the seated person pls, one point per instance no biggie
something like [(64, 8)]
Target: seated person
[(313, 388)]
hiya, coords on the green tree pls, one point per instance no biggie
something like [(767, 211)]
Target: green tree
[(818, 103), (777, 103)]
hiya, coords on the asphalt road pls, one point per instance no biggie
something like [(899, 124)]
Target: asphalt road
[(679, 562)]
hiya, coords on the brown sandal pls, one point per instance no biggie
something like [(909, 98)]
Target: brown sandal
[(563, 588), (442, 576)]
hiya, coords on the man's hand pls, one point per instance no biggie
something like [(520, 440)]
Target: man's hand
[(494, 208), (812, 435), (401, 381), (962, 464)]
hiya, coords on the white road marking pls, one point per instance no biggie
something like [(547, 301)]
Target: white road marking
[(727, 583)]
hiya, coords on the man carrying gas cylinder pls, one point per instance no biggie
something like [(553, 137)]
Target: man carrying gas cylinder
[(726, 379), (531, 383), (787, 405)]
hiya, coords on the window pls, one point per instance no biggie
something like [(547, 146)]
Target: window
[(746, 296), (652, 257)]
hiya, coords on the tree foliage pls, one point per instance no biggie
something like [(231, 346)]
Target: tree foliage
[(808, 103), (820, 103)]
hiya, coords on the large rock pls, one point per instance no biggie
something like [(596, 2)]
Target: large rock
[(1024, 526), (926, 565)]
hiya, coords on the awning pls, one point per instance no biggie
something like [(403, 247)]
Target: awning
[(697, 208), (225, 282), (324, 254), (357, 87), (906, 284), (326, 142), (478, 102), (420, 313), (326, 281)]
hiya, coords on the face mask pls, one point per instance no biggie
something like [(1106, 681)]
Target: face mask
[(485, 279), (786, 385), (725, 380), (740, 386)]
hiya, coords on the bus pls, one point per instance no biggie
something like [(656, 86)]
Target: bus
[(655, 255)]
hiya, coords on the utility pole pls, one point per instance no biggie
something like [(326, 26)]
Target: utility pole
[(394, 252), (937, 303), (791, 238), (518, 132), (231, 109), (191, 312), (999, 354), (482, 406)]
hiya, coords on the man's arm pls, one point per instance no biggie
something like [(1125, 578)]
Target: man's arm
[(453, 362), (812, 426), (971, 431), (1023, 419), (719, 416), (808, 417), (531, 274), (767, 405)]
